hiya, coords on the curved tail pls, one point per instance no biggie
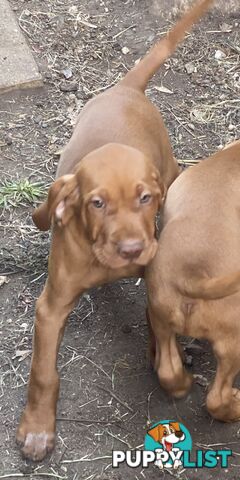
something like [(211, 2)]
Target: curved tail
[(139, 76), (214, 288)]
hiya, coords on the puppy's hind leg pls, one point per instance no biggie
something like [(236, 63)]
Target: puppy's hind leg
[(168, 362), (223, 401)]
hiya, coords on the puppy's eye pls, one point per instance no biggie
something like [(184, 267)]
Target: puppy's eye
[(98, 202), (145, 198)]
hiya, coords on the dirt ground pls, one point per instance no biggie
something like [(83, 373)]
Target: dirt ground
[(109, 395)]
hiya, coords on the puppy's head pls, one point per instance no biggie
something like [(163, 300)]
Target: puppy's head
[(122, 193), (114, 194), (167, 434)]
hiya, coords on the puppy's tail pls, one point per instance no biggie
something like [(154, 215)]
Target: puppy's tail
[(213, 288), (139, 76)]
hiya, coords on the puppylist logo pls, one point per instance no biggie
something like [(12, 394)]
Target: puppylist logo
[(168, 444)]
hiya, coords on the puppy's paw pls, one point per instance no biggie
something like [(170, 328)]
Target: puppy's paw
[(35, 446), (35, 440), (234, 407), (224, 410), (181, 386)]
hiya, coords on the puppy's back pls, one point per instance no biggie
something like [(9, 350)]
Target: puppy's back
[(201, 221)]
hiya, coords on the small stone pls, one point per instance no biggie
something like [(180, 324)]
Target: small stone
[(201, 380), (189, 360), (73, 10), (231, 127), (68, 86), (190, 68), (125, 50), (3, 279), (67, 72), (126, 329), (8, 140), (37, 119), (219, 55), (72, 98)]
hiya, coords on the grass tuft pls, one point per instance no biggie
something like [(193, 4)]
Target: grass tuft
[(20, 192)]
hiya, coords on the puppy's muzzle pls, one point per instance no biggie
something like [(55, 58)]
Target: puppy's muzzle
[(130, 249)]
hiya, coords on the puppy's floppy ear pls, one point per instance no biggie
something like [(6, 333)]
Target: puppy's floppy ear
[(155, 433), (59, 205), (163, 189)]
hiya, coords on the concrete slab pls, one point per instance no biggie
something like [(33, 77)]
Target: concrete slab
[(18, 68)]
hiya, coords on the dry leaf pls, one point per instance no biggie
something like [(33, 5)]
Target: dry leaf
[(163, 89), (21, 354), (225, 28), (58, 152)]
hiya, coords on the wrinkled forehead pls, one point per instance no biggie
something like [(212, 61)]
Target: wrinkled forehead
[(119, 168)]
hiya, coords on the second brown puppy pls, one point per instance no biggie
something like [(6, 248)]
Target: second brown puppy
[(194, 280)]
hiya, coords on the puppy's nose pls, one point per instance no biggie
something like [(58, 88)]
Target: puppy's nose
[(130, 249), (178, 433)]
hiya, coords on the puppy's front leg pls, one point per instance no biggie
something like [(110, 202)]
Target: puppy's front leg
[(36, 432)]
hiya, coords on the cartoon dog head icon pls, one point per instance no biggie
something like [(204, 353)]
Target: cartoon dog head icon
[(167, 434)]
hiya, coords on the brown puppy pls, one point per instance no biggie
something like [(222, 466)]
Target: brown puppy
[(103, 209), (193, 283)]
